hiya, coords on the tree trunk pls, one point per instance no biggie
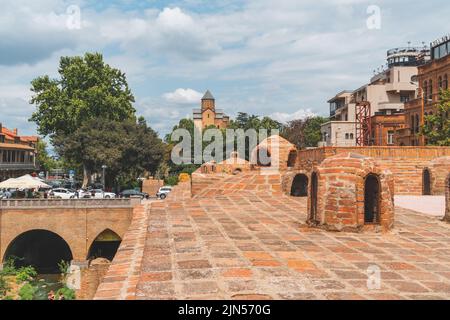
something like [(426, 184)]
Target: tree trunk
[(86, 176)]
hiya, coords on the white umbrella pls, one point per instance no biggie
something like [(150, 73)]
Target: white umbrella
[(24, 182)]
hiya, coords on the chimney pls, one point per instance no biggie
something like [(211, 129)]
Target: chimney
[(1, 127), (15, 131)]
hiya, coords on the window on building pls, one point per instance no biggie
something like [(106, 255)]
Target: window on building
[(430, 89), (425, 90), (404, 98), (390, 137), (352, 136), (347, 136), (440, 82), (417, 123), (412, 125), (445, 84)]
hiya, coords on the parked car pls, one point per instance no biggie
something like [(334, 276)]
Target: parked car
[(100, 194), (62, 193), (134, 193), (84, 194), (163, 192)]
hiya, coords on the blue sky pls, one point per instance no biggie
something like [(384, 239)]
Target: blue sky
[(282, 58)]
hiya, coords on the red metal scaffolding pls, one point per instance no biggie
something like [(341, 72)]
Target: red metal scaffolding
[(363, 124)]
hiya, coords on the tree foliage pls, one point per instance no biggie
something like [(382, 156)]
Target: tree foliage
[(436, 127), (89, 116), (87, 88), (246, 121), (127, 148), (304, 133)]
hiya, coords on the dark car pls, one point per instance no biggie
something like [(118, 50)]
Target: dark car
[(133, 193)]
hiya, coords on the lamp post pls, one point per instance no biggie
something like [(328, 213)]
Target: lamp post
[(103, 175)]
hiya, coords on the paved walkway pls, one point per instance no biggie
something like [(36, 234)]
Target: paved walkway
[(431, 205), (250, 245)]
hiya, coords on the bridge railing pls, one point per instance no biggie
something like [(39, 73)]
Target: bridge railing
[(66, 203)]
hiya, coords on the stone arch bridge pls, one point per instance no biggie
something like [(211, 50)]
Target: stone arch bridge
[(78, 222)]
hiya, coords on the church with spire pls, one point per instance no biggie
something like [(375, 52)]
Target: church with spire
[(208, 115)]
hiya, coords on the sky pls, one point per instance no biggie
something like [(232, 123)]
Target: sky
[(281, 58)]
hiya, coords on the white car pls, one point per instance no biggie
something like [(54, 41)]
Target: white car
[(62, 193), (84, 194), (163, 192), (100, 194)]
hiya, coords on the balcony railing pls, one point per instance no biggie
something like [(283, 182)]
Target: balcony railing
[(17, 166), (66, 203)]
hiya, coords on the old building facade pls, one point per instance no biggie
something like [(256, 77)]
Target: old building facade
[(208, 115), (432, 77), (17, 153), (387, 92)]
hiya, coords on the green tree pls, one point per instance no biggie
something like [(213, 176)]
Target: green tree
[(46, 161), (87, 89), (304, 133), (127, 148), (436, 127)]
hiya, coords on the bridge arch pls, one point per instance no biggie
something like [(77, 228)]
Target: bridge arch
[(105, 245), (40, 248)]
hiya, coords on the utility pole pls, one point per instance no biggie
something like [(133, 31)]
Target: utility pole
[(103, 176)]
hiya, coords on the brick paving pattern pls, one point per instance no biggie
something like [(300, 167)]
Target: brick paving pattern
[(255, 245)]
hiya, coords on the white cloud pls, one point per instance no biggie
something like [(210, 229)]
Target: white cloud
[(174, 19), (183, 96), (286, 117), (260, 55)]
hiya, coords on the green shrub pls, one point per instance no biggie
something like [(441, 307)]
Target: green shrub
[(27, 292), (171, 180), (4, 287), (9, 268), (65, 293), (25, 274), (64, 267)]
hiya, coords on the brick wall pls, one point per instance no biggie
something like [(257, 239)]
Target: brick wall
[(439, 169), (122, 276), (151, 186), (447, 199), (254, 181), (406, 163), (91, 278), (340, 196), (200, 182)]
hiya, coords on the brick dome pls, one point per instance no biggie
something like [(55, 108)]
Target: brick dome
[(275, 145), (350, 192)]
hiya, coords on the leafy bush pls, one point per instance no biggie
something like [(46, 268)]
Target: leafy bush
[(65, 293), (171, 180), (25, 274), (64, 267), (27, 292), (4, 287), (9, 268)]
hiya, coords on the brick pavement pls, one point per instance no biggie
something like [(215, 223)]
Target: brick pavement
[(255, 245)]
